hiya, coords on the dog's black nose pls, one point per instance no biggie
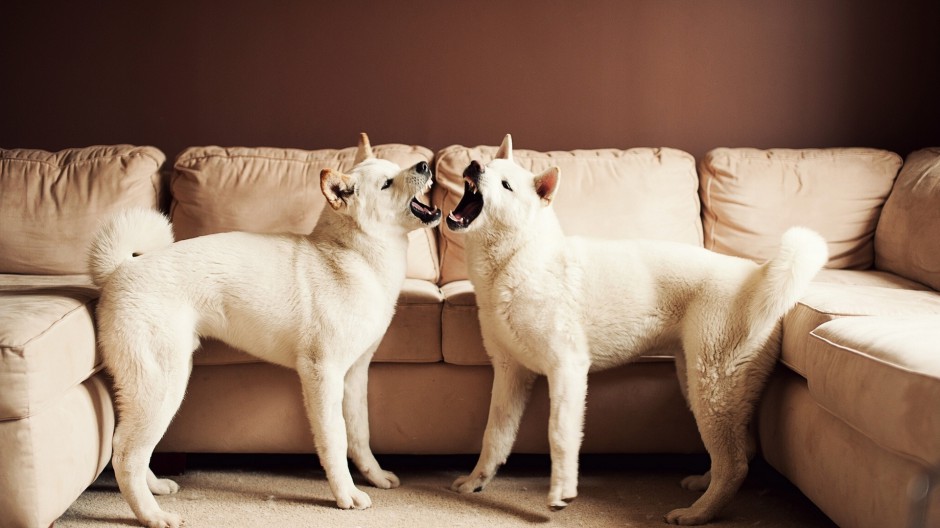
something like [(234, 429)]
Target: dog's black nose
[(422, 167), (474, 170)]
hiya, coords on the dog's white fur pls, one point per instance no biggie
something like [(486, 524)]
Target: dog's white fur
[(319, 304), (561, 307)]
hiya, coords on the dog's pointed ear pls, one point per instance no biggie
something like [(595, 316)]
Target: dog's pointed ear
[(546, 184), (336, 187), (505, 150), (365, 149)]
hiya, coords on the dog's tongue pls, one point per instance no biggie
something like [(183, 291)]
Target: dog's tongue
[(426, 213), (426, 209)]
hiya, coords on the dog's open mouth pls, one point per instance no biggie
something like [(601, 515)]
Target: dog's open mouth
[(428, 214), (469, 207)]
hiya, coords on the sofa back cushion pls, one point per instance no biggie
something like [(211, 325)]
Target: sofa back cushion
[(750, 197), (607, 193), (275, 190), (906, 241), (51, 202)]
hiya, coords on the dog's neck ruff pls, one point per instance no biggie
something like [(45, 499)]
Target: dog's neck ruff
[(384, 253), (494, 250)]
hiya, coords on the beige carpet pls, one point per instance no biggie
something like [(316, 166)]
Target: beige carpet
[(291, 491)]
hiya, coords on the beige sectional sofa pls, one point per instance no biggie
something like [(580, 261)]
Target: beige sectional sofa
[(852, 415)]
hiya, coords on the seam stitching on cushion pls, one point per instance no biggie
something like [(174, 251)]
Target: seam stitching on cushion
[(185, 161), (31, 410), (856, 352), (88, 160), (56, 322)]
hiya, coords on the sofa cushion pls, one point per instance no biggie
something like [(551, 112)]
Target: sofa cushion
[(881, 375), (414, 335), (51, 202), (906, 240), (47, 343), (608, 193), (750, 197), (870, 277), (824, 302), (272, 190), (50, 457)]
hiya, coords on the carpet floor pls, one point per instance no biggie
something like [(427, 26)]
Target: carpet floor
[(291, 491)]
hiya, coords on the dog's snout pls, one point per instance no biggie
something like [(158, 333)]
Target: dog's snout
[(474, 170), (422, 168)]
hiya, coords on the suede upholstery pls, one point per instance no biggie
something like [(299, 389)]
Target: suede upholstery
[(51, 202), (751, 196), (905, 242), (849, 415)]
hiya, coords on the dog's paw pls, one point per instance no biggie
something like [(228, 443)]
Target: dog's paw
[(162, 486), (687, 517), (469, 484), (162, 519), (558, 503), (696, 482), (354, 500), (384, 479)]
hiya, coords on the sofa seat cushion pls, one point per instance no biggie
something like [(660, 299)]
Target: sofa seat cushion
[(881, 375), (825, 302), (414, 336), (605, 193), (460, 329), (49, 458), (47, 342), (51, 202), (750, 197), (871, 277), (275, 190)]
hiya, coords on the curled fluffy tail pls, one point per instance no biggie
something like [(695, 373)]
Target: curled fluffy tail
[(783, 279), (125, 235)]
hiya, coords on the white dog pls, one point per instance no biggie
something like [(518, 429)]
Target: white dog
[(319, 304), (561, 307)]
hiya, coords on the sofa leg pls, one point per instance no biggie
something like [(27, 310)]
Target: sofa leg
[(168, 464)]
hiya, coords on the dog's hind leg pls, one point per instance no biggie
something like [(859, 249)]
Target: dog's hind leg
[(692, 482), (356, 412), (725, 438), (723, 396), (323, 385), (567, 391), (512, 384), (149, 394)]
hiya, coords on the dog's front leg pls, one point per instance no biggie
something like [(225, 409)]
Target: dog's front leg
[(323, 383), (567, 389), (512, 384), (356, 411)]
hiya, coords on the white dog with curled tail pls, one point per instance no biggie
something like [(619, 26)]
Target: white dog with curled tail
[(563, 306), (319, 304)]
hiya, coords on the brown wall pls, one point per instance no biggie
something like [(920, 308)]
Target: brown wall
[(556, 74)]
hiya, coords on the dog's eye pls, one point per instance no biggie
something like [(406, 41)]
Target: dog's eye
[(387, 184), (506, 186)]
